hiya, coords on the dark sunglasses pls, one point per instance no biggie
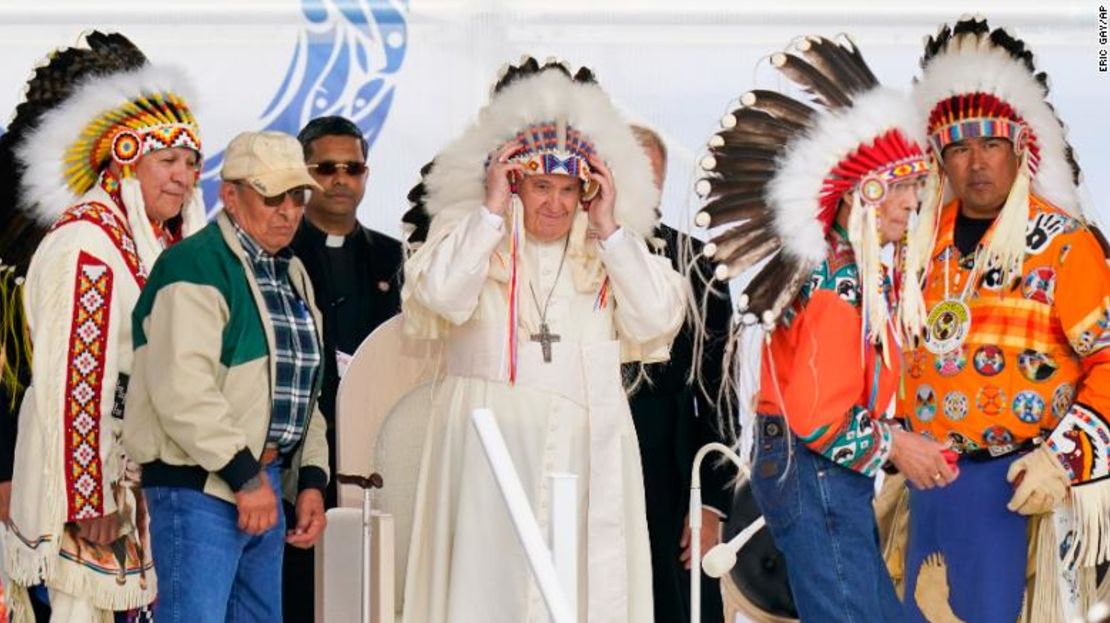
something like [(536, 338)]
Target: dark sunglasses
[(330, 167), (299, 196)]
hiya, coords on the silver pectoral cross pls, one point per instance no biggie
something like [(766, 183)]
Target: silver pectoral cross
[(545, 337)]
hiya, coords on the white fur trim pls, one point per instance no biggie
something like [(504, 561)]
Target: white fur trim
[(971, 65), (44, 193), (193, 213), (147, 244), (795, 191), (456, 183)]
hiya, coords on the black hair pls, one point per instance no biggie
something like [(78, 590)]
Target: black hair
[(329, 126)]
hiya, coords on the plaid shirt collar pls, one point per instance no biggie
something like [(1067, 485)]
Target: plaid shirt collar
[(256, 253)]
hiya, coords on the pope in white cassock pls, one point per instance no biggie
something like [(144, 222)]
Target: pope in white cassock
[(536, 275)]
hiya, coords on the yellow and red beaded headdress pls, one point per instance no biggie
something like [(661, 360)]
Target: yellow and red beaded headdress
[(118, 114), (151, 122)]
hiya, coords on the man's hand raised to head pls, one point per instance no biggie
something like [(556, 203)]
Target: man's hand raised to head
[(603, 206), (499, 192)]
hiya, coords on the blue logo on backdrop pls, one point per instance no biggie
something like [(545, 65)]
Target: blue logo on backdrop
[(346, 63)]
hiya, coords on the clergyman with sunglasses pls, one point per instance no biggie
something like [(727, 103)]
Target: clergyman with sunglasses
[(356, 276), (221, 408)]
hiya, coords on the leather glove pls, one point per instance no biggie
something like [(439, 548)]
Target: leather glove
[(1044, 483)]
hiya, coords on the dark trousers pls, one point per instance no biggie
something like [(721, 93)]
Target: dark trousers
[(298, 577), (666, 497)]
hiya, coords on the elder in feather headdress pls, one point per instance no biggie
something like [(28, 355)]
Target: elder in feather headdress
[(814, 192), (100, 167)]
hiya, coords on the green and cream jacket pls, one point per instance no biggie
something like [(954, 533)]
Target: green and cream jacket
[(198, 407)]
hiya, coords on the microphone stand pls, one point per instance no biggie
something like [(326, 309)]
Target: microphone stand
[(694, 517)]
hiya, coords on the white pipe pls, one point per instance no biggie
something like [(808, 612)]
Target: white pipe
[(695, 520), (564, 534), (527, 529), (367, 542)]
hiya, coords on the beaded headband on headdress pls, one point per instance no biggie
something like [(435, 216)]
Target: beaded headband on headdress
[(554, 148), (149, 122), (871, 170), (561, 117), (976, 115)]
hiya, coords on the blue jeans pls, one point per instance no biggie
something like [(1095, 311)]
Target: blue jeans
[(208, 569), (820, 516)]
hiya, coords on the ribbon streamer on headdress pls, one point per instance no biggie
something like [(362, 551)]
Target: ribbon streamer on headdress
[(513, 330)]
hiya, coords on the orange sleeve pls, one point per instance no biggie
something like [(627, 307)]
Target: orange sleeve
[(822, 400), (1082, 303)]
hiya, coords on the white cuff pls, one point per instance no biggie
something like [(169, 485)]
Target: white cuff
[(716, 512), (614, 238), (495, 221)]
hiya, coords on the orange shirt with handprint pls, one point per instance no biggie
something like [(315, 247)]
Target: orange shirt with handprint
[(1035, 361)]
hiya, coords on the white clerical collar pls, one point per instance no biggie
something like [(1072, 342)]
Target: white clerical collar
[(333, 241)]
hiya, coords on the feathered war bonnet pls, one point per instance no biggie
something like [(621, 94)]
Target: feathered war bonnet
[(978, 82), (83, 107), (561, 118), (118, 111), (776, 173)]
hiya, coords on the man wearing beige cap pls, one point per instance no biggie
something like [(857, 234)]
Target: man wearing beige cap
[(222, 407)]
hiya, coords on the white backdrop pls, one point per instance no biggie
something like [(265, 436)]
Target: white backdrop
[(673, 65)]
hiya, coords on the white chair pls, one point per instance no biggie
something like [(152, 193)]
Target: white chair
[(386, 369)]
